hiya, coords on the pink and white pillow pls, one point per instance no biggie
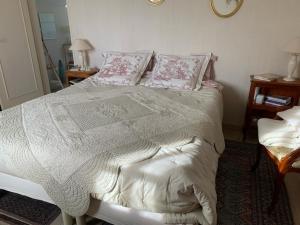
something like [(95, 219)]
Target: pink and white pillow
[(121, 68), (206, 72), (175, 72)]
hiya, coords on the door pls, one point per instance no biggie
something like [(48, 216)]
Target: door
[(20, 76)]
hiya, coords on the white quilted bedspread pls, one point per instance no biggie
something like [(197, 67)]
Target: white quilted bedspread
[(79, 141)]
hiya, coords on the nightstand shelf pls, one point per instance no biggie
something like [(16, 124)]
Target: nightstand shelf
[(277, 87), (270, 108)]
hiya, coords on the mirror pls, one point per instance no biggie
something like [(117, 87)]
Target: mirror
[(156, 2), (226, 8)]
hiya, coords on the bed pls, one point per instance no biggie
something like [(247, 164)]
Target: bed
[(149, 154)]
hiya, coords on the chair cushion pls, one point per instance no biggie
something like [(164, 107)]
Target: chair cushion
[(278, 133), (281, 152), (279, 138)]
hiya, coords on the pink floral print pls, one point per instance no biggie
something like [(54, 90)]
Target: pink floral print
[(123, 68), (175, 72), (122, 65)]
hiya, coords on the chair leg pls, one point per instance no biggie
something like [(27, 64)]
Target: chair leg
[(258, 156), (278, 184)]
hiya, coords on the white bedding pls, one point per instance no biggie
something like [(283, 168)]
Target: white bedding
[(114, 214), (56, 140)]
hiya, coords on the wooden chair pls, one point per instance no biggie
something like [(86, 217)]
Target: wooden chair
[(285, 159)]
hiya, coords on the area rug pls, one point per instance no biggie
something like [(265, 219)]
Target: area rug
[(19, 210), (243, 197)]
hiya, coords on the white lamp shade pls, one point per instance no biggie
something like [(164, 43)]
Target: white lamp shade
[(80, 45), (293, 46)]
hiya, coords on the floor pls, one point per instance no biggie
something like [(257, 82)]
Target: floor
[(292, 180)]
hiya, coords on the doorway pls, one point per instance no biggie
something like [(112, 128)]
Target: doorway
[(54, 24)]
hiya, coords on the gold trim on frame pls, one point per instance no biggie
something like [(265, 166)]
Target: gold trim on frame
[(156, 2), (229, 14)]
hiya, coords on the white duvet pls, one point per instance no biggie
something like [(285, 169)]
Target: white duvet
[(143, 148)]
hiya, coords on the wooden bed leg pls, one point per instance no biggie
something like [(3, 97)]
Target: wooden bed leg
[(80, 220), (67, 219)]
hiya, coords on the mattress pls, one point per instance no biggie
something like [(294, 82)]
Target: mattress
[(196, 186)]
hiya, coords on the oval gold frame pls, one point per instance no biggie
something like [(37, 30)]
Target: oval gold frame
[(156, 2), (229, 14)]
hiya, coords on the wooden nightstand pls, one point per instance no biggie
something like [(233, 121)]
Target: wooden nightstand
[(75, 74), (271, 88)]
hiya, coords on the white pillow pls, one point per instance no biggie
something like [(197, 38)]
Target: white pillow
[(123, 68)]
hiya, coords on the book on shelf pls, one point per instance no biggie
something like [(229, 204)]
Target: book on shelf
[(266, 77), (267, 102), (279, 99)]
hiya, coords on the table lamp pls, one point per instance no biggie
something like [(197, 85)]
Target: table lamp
[(293, 48), (82, 46)]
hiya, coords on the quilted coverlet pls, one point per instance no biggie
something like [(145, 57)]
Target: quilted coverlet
[(74, 142)]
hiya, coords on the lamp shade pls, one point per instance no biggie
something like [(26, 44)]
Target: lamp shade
[(293, 46), (80, 45)]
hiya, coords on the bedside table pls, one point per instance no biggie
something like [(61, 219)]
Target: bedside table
[(75, 74), (277, 87)]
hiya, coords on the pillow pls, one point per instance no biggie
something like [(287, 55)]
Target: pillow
[(147, 76), (206, 72), (175, 72), (123, 68)]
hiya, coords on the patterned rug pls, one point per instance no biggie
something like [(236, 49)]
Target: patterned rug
[(19, 210), (243, 197)]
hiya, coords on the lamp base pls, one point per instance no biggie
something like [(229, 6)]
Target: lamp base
[(289, 79)]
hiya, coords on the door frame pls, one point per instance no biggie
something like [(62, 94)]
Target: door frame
[(39, 44)]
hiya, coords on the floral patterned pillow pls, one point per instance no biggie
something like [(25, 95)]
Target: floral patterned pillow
[(206, 72), (175, 72), (120, 68)]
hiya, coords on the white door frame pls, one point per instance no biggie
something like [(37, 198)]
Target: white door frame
[(39, 44)]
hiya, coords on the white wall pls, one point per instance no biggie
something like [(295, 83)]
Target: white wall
[(248, 43), (56, 7)]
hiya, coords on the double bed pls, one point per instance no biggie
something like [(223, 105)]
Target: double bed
[(124, 154)]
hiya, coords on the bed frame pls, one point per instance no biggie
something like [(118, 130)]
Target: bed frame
[(114, 214)]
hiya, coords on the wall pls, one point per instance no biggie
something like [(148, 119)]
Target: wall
[(248, 43), (56, 7)]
